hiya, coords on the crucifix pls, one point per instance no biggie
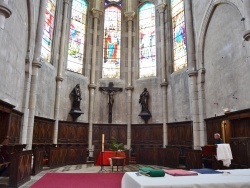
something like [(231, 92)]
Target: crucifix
[(111, 91)]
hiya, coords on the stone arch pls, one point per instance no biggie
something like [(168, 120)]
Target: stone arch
[(205, 23)]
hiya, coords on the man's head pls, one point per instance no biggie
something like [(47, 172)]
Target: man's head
[(216, 136)]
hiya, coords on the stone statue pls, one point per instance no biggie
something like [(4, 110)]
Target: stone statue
[(145, 113), (144, 100), (76, 92)]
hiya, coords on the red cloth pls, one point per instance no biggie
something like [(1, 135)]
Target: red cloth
[(106, 155), (180, 172)]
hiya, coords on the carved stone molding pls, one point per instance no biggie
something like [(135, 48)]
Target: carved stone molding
[(97, 13), (129, 88), (164, 84), (161, 7), (59, 78), (5, 10), (246, 35), (92, 86), (129, 15), (192, 73)]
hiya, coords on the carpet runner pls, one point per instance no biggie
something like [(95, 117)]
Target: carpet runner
[(79, 180)]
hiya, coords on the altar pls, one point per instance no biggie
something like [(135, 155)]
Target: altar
[(103, 157), (239, 178)]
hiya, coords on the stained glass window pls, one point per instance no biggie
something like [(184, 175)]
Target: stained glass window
[(117, 2), (48, 31), (77, 35), (147, 47), (179, 35), (111, 43)]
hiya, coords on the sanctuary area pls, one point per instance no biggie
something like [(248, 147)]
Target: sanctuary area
[(124, 82)]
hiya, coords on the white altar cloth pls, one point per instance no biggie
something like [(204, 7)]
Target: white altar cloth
[(239, 178)]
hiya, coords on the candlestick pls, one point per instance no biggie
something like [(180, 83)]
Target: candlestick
[(102, 142)]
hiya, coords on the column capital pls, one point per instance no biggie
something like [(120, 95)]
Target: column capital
[(129, 15), (97, 13), (66, 1), (161, 7), (5, 9)]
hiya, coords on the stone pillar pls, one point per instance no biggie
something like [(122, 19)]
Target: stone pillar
[(5, 12), (36, 64), (28, 71), (92, 86), (161, 9), (59, 77), (198, 130), (130, 16), (246, 34)]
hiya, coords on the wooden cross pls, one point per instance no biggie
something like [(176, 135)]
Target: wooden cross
[(111, 91)]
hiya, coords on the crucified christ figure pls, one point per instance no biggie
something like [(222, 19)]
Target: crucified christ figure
[(111, 91)]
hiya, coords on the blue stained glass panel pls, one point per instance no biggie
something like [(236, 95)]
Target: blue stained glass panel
[(111, 43), (179, 35), (48, 31), (147, 43), (77, 35)]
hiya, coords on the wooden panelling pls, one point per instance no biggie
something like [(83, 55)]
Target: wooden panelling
[(241, 152), (38, 160), (213, 125), (5, 110), (67, 155), (168, 157), (193, 159), (72, 132), (20, 168), (110, 131), (147, 134), (15, 127), (240, 127), (43, 131), (147, 156), (180, 133)]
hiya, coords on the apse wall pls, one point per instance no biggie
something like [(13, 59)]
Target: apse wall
[(13, 47), (226, 63)]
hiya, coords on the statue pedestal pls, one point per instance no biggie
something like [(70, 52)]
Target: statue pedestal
[(145, 115), (75, 113)]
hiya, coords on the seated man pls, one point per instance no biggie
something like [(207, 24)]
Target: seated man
[(217, 139)]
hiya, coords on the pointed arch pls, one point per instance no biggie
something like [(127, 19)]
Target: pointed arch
[(205, 22), (147, 40), (77, 36), (179, 35), (111, 42), (48, 30)]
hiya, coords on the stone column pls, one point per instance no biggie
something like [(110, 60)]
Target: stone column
[(92, 86), (5, 12), (192, 73), (59, 77), (161, 9), (130, 16), (246, 34), (36, 64), (28, 71)]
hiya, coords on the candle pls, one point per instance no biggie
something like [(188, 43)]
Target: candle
[(102, 142)]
